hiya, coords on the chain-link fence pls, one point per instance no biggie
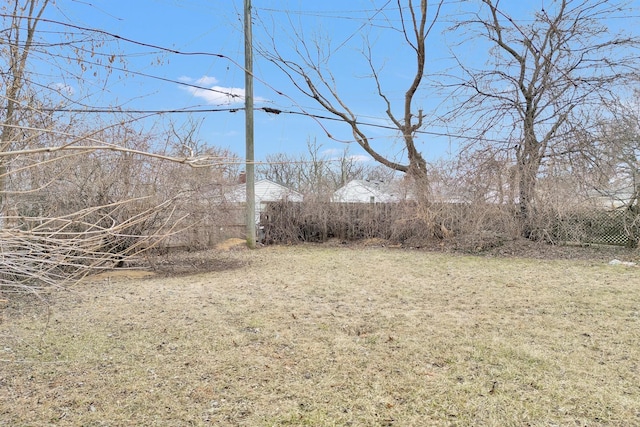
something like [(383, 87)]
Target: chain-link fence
[(617, 227)]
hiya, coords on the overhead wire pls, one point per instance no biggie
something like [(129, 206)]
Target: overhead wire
[(268, 110), (156, 48)]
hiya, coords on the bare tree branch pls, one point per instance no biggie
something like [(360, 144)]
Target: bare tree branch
[(311, 76), (542, 75)]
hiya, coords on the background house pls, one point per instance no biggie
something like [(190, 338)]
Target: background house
[(619, 193), (370, 191), (265, 191)]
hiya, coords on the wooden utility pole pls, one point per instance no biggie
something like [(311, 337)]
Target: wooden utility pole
[(248, 98)]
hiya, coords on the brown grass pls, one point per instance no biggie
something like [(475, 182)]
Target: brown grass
[(330, 336)]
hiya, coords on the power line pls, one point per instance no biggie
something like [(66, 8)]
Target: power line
[(138, 111), (349, 15), (268, 110), (128, 40)]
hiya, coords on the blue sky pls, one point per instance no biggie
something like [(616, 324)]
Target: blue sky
[(215, 27)]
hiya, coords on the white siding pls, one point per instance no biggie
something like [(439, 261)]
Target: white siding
[(265, 191), (359, 191)]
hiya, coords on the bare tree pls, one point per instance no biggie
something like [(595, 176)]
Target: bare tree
[(316, 173), (310, 73), (43, 70), (541, 74)]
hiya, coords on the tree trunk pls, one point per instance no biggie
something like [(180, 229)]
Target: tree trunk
[(417, 171), (529, 159)]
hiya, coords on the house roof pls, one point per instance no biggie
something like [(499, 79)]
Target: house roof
[(265, 191), (365, 191)]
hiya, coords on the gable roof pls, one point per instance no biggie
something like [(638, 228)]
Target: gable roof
[(265, 191), (365, 191)]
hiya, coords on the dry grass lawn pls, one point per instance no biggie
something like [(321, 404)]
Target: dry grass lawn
[(330, 336)]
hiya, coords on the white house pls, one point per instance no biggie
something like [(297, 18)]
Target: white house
[(623, 196), (265, 191), (366, 191)]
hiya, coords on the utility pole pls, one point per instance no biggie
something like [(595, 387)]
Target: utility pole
[(248, 108)]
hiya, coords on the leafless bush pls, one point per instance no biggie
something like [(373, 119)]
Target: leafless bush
[(55, 184), (38, 251), (286, 222), (470, 226), (405, 222), (70, 212)]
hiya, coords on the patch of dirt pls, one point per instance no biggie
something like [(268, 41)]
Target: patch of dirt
[(501, 246), (232, 244), (193, 262), (527, 249), (123, 273)]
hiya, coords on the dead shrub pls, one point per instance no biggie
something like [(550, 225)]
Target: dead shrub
[(406, 222), (40, 252)]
